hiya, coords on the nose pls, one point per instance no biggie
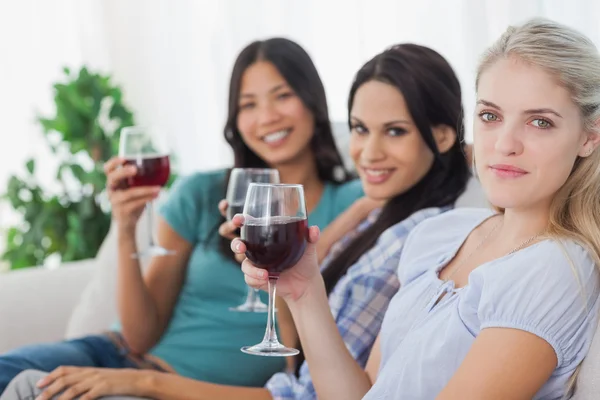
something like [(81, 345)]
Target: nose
[(508, 141), (268, 114), (373, 148)]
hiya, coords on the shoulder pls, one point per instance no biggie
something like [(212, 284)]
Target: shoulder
[(457, 219), (550, 289), (402, 229), (200, 181), (546, 264), (438, 236), (190, 198), (347, 191)]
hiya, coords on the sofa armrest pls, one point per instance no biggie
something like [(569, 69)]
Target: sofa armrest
[(36, 303)]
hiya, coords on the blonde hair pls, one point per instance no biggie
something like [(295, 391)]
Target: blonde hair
[(575, 62)]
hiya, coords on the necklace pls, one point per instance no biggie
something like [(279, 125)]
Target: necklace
[(485, 238)]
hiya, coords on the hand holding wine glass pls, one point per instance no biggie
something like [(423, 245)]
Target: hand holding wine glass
[(292, 283), (237, 188), (127, 204), (144, 156), (275, 234)]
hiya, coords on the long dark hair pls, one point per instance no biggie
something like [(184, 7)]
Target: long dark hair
[(300, 73), (433, 97)]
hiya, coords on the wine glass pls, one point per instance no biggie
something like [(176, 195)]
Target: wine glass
[(148, 151), (239, 179), (275, 233)]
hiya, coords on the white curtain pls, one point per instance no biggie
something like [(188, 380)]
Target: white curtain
[(173, 57)]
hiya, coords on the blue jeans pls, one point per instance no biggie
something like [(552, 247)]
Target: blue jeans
[(89, 351)]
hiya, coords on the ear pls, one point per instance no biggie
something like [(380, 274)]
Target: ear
[(592, 141), (444, 137)]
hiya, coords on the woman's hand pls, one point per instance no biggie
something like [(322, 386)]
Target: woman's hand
[(92, 383), (127, 203), (292, 283), (229, 229), (363, 207)]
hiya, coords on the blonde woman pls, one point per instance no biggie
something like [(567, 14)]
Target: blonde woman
[(496, 304)]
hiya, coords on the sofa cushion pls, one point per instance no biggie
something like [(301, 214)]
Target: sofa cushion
[(96, 309)]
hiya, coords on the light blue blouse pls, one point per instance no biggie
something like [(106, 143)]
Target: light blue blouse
[(549, 289)]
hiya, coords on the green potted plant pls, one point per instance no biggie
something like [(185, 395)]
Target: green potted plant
[(69, 223)]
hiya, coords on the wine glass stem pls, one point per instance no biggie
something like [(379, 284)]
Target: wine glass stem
[(150, 211), (250, 296), (270, 333)]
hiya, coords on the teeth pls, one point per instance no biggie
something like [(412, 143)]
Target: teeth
[(275, 136), (377, 172)]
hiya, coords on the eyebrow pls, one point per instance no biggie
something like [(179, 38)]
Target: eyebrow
[(387, 124), (530, 111), (272, 90)]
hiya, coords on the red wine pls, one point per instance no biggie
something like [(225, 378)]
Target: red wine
[(234, 209), (275, 246), (151, 171)]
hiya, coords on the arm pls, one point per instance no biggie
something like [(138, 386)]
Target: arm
[(335, 373), (502, 364), (145, 304), (344, 223), (92, 383)]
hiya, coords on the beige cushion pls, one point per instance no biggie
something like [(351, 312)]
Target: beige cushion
[(96, 310), (588, 382)]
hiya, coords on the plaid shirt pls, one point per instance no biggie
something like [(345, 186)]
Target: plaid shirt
[(359, 299)]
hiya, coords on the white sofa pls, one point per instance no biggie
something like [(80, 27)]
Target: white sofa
[(42, 305)]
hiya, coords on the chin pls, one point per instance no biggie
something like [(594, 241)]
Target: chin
[(376, 193), (508, 200)]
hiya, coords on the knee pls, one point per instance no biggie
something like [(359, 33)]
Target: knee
[(24, 385)]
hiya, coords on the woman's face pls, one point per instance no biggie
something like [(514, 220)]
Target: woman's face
[(272, 120), (388, 150), (527, 134)]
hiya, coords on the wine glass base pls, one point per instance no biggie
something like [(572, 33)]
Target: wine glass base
[(270, 350), (260, 307), (154, 251), (246, 307), (251, 307)]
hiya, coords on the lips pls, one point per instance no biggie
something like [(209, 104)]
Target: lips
[(377, 175), (275, 137), (508, 171)]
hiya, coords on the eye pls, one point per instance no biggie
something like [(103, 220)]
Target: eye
[(283, 96), (247, 106), (358, 128), (542, 123), (396, 132), (487, 116)]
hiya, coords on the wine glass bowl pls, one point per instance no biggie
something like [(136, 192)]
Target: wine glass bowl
[(275, 233), (148, 151), (237, 187)]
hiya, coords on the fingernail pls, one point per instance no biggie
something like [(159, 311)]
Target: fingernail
[(237, 246), (40, 383)]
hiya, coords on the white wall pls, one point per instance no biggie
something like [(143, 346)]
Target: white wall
[(173, 57)]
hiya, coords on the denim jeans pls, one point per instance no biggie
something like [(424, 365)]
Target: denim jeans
[(89, 351)]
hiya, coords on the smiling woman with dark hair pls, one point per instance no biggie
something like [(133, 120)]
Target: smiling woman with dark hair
[(176, 318), (405, 115)]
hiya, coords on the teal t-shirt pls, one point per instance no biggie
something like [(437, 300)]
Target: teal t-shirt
[(204, 338)]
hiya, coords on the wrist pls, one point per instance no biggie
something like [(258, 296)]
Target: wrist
[(148, 384), (313, 294), (125, 232)]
